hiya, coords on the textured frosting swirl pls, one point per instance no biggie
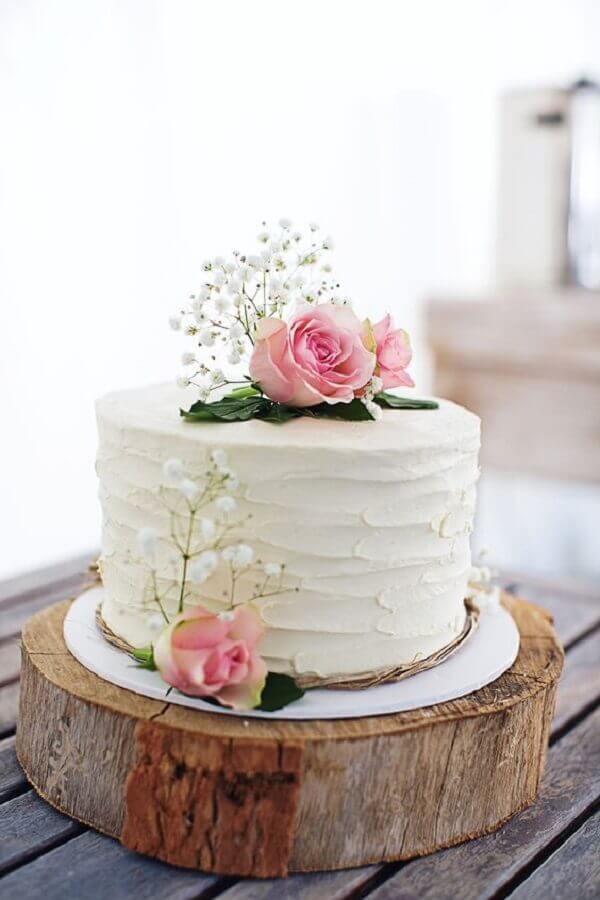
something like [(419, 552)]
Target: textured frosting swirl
[(372, 522)]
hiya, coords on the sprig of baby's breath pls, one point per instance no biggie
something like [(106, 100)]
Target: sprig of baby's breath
[(290, 266)]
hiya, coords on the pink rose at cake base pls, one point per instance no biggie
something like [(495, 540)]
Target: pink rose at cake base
[(204, 654)]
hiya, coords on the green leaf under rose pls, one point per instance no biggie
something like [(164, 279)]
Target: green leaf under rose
[(248, 403)]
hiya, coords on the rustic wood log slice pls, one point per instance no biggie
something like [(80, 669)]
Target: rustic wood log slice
[(256, 797)]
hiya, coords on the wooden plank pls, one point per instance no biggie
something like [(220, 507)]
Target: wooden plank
[(567, 586), (96, 867), (13, 617), (572, 871), (9, 707), (12, 779), (573, 616), (579, 685), (10, 660), (14, 589), (318, 886), (28, 826), (475, 871)]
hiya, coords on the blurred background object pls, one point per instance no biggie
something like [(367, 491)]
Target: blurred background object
[(527, 357), (549, 187), (140, 136)]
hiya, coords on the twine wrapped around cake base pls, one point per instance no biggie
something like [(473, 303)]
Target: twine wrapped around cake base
[(345, 682)]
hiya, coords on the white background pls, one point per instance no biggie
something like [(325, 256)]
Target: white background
[(140, 137)]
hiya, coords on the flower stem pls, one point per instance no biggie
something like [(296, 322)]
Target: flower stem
[(186, 559)]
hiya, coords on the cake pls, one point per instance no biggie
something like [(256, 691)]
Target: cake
[(283, 518), (370, 520)]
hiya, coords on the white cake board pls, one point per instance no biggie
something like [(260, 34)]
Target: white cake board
[(489, 652)]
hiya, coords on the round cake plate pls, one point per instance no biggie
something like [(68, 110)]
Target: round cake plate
[(489, 652)]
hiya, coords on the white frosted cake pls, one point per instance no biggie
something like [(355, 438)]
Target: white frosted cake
[(371, 522)]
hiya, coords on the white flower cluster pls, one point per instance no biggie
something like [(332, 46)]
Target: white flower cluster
[(373, 387), (481, 589), (222, 315), (203, 540)]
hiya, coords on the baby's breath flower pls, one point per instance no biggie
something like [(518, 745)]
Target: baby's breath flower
[(175, 323), (219, 458), (236, 330), (182, 381), (376, 384), (189, 489), (217, 376), (207, 337), (188, 359), (220, 279), (222, 303), (272, 569), (232, 483), (173, 470), (226, 615), (374, 408), (313, 226), (147, 541), (219, 261), (234, 357), (203, 566), (225, 505), (328, 243), (207, 265), (263, 237), (239, 555), (207, 528), (285, 223)]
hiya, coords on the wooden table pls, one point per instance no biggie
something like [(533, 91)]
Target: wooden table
[(551, 850)]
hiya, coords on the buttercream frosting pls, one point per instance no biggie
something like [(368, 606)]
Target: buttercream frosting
[(370, 519)]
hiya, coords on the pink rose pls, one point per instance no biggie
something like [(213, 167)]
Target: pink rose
[(319, 357), (207, 655), (393, 354)]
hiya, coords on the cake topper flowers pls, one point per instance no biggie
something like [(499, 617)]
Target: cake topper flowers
[(290, 342), (210, 648)]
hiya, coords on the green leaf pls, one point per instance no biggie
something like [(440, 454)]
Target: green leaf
[(280, 413), (145, 658), (279, 691), (355, 411), (229, 409), (394, 402), (246, 391)]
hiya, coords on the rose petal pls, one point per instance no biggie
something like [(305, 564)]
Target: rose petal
[(247, 694)]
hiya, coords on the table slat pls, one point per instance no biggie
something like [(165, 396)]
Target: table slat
[(572, 871), (10, 660), (12, 779), (9, 707), (12, 590), (96, 867), (573, 616), (477, 870), (579, 685), (28, 826), (12, 618), (318, 886)]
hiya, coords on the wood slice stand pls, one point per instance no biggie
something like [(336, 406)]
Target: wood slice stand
[(263, 798)]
